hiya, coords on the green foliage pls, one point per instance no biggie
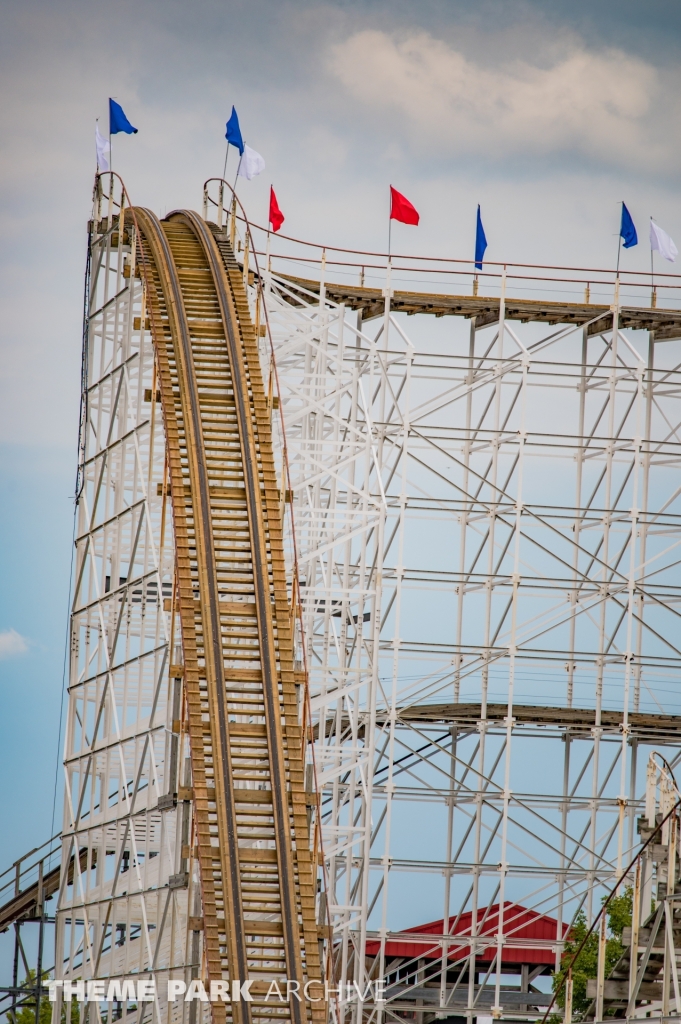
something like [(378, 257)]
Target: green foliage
[(586, 965), (26, 1013), (619, 912)]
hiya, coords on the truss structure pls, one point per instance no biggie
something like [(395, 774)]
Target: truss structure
[(124, 905), (487, 520), (482, 523)]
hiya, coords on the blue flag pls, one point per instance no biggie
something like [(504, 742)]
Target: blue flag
[(480, 241), (627, 229), (233, 133), (118, 122)]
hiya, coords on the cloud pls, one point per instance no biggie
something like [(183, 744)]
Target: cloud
[(594, 104), (12, 643)]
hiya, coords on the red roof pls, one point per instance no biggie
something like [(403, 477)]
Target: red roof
[(519, 924)]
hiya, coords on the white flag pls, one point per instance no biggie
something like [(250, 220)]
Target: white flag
[(102, 146), (661, 241), (251, 163)]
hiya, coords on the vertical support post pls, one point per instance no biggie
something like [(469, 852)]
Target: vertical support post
[(232, 224), (631, 601), (671, 865), (579, 455), (109, 212), (646, 885), (567, 739), (448, 871), (494, 491), (600, 977), (465, 512), (173, 779), (645, 518), (17, 944), (668, 953), (515, 580), (98, 204), (376, 581), (221, 199), (635, 926), (40, 907), (633, 775), (567, 1018), (670, 972)]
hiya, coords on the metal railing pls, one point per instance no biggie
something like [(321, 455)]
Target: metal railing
[(25, 887)]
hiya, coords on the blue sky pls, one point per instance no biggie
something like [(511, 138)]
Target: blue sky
[(548, 114)]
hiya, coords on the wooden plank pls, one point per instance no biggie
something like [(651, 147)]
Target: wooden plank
[(486, 308)]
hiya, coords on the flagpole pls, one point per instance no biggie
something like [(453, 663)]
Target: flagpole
[(619, 242), (232, 222), (110, 146), (619, 249), (652, 273), (390, 223)]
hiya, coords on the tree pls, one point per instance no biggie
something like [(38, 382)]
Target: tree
[(26, 1012), (618, 914)]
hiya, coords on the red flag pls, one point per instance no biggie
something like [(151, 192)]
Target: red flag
[(276, 216), (401, 209)]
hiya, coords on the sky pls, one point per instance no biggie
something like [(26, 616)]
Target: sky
[(548, 114)]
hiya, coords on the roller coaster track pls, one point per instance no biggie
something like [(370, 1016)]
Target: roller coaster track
[(257, 867)]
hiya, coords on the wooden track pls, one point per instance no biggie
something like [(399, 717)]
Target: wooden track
[(258, 871), (596, 317)]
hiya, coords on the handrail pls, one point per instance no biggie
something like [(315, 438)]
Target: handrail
[(440, 259), (464, 273), (16, 872)]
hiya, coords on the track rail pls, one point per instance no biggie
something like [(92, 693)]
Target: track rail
[(258, 872)]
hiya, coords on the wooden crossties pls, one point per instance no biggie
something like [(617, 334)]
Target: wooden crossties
[(257, 869), (665, 322), (646, 727)]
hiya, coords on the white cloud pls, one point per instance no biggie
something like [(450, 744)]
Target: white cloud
[(12, 643), (598, 104)]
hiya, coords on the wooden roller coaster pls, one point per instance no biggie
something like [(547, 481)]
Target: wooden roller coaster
[(190, 839), (258, 867)]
